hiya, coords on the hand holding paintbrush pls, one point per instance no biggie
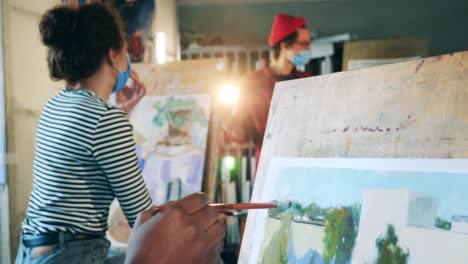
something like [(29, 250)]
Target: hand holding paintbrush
[(185, 231)]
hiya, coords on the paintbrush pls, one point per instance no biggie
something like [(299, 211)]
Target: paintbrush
[(223, 207)]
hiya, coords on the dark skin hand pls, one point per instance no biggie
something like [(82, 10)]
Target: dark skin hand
[(187, 231)]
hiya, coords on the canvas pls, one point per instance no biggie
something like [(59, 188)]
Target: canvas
[(363, 211), (170, 140), (171, 135), (170, 124), (191, 85)]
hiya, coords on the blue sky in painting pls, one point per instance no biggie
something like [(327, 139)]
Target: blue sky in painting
[(335, 187)]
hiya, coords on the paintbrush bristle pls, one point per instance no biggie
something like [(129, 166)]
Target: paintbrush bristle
[(282, 205)]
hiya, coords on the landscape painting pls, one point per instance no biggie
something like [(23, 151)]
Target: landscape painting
[(340, 211)]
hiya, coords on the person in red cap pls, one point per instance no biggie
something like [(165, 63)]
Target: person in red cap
[(288, 38)]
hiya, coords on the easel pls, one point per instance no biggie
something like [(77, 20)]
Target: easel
[(415, 109)]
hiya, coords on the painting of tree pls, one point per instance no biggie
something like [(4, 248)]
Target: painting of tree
[(313, 211), (296, 209), (443, 224), (389, 252), (356, 212), (292, 208), (340, 236), (167, 112)]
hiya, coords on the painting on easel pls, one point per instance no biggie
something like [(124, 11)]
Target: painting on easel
[(363, 211), (171, 123), (171, 135)]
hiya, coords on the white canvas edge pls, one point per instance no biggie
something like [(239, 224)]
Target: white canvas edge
[(416, 165)]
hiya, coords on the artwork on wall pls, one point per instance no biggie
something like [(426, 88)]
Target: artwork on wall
[(138, 19), (363, 211), (171, 135)]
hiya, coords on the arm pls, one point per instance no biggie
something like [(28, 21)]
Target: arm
[(114, 150)]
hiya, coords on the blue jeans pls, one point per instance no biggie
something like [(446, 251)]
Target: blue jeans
[(81, 251)]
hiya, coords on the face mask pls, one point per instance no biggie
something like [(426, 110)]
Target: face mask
[(122, 77), (301, 59)]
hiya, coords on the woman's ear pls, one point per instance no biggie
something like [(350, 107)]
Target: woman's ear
[(113, 58)]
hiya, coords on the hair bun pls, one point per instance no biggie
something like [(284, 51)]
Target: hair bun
[(57, 26)]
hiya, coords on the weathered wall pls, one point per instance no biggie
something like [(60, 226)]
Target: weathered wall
[(28, 87), (442, 21)]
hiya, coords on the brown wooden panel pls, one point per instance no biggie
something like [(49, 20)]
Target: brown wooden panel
[(385, 49)]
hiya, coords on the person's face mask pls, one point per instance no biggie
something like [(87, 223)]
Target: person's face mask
[(299, 50), (301, 59), (122, 77)]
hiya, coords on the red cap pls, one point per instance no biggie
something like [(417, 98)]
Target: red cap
[(283, 26)]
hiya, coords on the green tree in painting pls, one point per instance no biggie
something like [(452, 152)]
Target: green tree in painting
[(443, 224), (356, 212), (291, 207), (340, 236), (313, 211), (388, 250), (166, 112), (296, 209)]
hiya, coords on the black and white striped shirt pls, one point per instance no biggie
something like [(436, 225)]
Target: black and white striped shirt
[(84, 158)]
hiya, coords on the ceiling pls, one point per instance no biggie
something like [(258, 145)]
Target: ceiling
[(234, 2)]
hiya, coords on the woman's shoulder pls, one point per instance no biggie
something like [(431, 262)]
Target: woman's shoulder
[(79, 100), (81, 106)]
